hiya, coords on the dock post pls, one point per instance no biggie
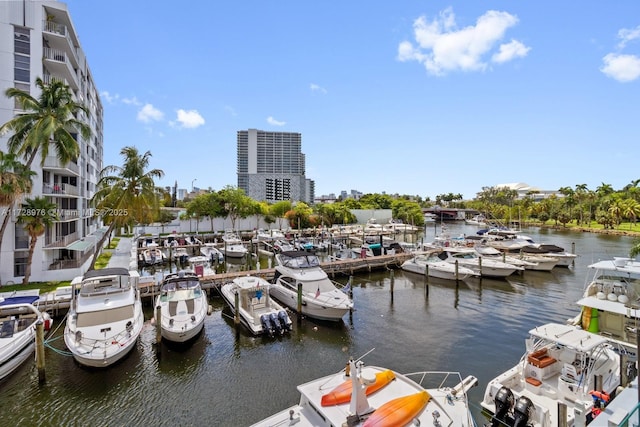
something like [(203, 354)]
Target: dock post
[(40, 350), (351, 298), (562, 414), (392, 283), (426, 282), (236, 313), (158, 316), (299, 301), (456, 269), (480, 264)]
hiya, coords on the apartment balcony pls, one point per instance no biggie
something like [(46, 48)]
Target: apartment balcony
[(60, 190), (52, 163), (65, 263), (60, 242), (60, 39), (57, 61)]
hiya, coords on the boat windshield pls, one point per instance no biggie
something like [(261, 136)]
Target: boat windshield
[(305, 261), (102, 317), (180, 285)]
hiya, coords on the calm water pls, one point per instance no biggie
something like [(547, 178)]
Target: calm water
[(476, 328)]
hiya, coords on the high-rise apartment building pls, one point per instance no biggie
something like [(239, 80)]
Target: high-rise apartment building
[(271, 166), (39, 40)]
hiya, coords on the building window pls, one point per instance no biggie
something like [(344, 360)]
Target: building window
[(21, 59), (20, 263), (21, 237)]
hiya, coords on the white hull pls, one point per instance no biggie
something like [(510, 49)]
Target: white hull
[(440, 270), (181, 336), (18, 318), (258, 312), (105, 318), (321, 308)]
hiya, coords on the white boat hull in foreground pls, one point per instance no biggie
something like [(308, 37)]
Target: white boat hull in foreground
[(437, 268), (105, 317), (400, 400), (183, 307)]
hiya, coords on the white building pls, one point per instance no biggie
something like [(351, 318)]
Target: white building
[(525, 190), (38, 39)]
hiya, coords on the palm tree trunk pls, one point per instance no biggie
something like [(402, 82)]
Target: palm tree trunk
[(5, 221), (27, 270), (100, 245)]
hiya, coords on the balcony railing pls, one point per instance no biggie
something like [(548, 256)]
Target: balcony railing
[(61, 264), (61, 30), (63, 189), (53, 162), (61, 242)]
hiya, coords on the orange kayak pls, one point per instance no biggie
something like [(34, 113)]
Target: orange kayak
[(398, 412), (342, 393)]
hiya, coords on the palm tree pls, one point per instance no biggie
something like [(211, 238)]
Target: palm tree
[(15, 181), (46, 123), (36, 214), (126, 194)]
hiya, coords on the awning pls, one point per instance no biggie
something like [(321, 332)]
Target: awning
[(80, 245)]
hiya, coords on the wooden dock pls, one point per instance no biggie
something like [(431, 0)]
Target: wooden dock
[(57, 302)]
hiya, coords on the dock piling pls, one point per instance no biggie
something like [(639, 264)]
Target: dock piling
[(40, 364)]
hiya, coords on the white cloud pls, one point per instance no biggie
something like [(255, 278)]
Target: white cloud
[(315, 88), (230, 110), (131, 101), (274, 122), (509, 51), (189, 119), (441, 47), (149, 113), (626, 35), (108, 97), (623, 68)]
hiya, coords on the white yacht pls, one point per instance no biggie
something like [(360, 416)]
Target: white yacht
[(153, 255), (18, 317), (212, 252), (201, 266), (610, 304), (261, 314), (321, 299), (563, 367), (485, 267), (233, 247), (105, 317), (438, 268), (183, 306), (362, 395)]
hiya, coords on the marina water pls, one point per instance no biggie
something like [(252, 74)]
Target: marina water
[(477, 327)]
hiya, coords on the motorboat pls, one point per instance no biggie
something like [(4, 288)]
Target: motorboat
[(429, 263), (183, 306), (610, 302), (269, 235), (201, 266), (397, 226), (153, 255), (562, 373), (281, 245), (362, 395), (563, 258), (490, 252), (18, 318), (180, 254), (479, 220), (212, 252), (233, 247), (321, 298), (105, 317), (260, 313), (485, 267)]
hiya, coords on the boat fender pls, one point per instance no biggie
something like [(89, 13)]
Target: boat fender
[(275, 323), (503, 402), (522, 411)]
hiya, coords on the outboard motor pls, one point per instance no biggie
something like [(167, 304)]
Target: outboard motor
[(282, 317), (522, 411), (503, 402), (266, 325), (275, 323)]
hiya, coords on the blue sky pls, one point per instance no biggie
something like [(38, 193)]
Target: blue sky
[(410, 97)]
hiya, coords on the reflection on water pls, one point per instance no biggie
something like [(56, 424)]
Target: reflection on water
[(477, 327)]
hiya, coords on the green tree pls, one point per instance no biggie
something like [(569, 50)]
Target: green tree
[(36, 215), (15, 181), (279, 209), (48, 122), (236, 204), (126, 194)]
